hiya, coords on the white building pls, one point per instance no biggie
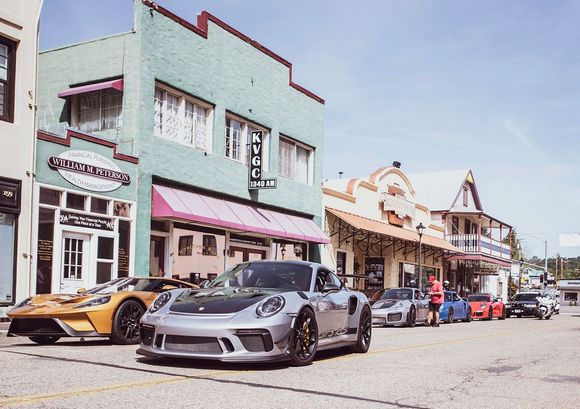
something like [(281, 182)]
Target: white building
[(18, 52)]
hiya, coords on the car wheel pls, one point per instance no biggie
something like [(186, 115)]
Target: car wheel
[(450, 316), (304, 338), (365, 328), (411, 317), (126, 323), (503, 314), (44, 339), (469, 316), (490, 314)]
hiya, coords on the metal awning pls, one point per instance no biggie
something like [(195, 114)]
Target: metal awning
[(172, 203), (115, 84)]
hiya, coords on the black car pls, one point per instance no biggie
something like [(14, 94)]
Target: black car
[(523, 305)]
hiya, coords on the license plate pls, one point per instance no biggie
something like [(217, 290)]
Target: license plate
[(516, 311)]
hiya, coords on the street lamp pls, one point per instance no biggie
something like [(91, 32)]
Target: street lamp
[(420, 228)]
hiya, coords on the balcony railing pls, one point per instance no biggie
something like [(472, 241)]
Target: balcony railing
[(473, 243)]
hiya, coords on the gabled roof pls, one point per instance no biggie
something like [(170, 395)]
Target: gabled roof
[(439, 190)]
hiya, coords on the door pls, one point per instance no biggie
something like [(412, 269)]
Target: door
[(458, 306), (74, 272), (332, 307), (157, 256), (421, 304)]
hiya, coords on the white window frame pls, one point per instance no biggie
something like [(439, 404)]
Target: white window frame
[(310, 162), (245, 140), (183, 99), (76, 111)]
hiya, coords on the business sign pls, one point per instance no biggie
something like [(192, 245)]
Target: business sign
[(10, 195), (397, 206), (569, 283), (89, 170), (256, 181), (81, 220)]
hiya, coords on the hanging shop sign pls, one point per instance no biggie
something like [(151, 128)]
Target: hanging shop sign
[(10, 195), (256, 181), (397, 206), (89, 170), (81, 220)]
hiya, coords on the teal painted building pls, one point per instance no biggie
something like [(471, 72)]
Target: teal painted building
[(185, 100)]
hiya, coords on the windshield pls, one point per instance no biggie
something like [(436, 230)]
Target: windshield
[(478, 297), (397, 294), (106, 288), (526, 297), (283, 276), (133, 284)]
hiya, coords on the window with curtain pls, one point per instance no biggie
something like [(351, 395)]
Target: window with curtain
[(181, 118), (7, 236), (100, 110), (294, 161), (238, 139)]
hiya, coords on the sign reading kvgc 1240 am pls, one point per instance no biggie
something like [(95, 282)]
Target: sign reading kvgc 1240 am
[(256, 181), (89, 170)]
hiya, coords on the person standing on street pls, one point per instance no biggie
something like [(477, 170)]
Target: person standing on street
[(435, 302)]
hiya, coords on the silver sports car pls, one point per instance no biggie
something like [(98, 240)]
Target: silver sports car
[(399, 306), (259, 311)]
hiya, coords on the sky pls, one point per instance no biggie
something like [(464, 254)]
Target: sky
[(487, 85)]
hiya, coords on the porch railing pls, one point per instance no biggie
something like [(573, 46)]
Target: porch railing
[(473, 243)]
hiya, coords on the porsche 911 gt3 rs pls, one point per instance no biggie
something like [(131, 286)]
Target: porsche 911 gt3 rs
[(259, 311)]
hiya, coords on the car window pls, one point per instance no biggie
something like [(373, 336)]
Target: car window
[(418, 295), (448, 296), (324, 277), (331, 277), (456, 297)]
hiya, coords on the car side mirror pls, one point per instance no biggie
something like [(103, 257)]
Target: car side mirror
[(81, 290), (204, 283), (330, 287)]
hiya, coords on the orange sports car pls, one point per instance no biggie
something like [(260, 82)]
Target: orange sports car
[(112, 309), (486, 307)]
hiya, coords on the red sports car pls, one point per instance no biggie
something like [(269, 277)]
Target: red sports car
[(486, 306)]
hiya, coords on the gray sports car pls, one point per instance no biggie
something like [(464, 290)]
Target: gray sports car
[(399, 306), (259, 311)]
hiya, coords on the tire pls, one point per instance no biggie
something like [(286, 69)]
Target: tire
[(365, 328), (450, 316), (503, 314), (411, 317), (126, 323), (490, 314), (44, 339), (469, 316), (304, 338), (547, 317)]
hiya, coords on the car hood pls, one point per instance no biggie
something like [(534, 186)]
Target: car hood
[(223, 300), (388, 303), (49, 302)]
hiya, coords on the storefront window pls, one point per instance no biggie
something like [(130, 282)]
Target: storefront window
[(570, 296), (185, 245), (124, 249), (7, 233), (409, 277), (50, 197), (44, 250), (199, 251), (99, 205), (209, 245), (74, 201), (374, 270)]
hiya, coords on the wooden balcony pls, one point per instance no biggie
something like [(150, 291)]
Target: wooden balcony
[(476, 244)]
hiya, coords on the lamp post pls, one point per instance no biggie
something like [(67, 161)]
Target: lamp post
[(420, 228)]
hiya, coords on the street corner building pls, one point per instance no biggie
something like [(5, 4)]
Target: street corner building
[(18, 52), (175, 149), (380, 233)]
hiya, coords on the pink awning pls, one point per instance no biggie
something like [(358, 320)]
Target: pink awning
[(168, 202), (115, 84)]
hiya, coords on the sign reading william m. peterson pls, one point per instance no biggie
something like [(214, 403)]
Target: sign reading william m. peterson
[(256, 181)]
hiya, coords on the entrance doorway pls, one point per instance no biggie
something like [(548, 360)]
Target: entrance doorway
[(243, 254), (75, 255), (157, 256)]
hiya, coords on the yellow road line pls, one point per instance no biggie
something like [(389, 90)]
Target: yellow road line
[(27, 399)]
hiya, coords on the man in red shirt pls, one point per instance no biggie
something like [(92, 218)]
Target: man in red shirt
[(435, 302)]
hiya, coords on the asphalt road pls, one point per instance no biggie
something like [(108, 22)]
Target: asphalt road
[(516, 363)]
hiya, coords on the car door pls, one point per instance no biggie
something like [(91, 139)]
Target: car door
[(421, 304), (331, 307), (458, 306)]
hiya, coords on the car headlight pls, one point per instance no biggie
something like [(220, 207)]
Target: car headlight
[(94, 302), (399, 306), (160, 301), (270, 306), (23, 303)]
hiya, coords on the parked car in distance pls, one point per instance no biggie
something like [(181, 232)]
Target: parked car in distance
[(399, 306), (455, 308), (112, 309), (486, 307), (259, 311), (523, 304)]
